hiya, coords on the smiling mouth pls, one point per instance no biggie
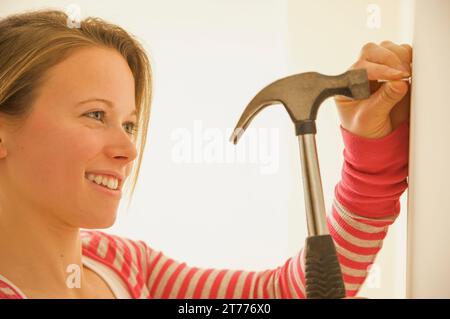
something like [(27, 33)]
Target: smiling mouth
[(115, 193), (109, 183)]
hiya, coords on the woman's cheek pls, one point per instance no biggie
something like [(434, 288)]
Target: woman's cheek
[(86, 144)]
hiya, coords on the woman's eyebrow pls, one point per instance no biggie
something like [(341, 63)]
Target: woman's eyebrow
[(107, 102)]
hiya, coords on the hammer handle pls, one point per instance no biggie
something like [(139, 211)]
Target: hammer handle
[(323, 276), (322, 269)]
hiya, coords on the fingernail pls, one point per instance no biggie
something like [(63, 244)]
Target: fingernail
[(405, 67), (395, 72)]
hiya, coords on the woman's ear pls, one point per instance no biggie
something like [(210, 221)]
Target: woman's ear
[(3, 150)]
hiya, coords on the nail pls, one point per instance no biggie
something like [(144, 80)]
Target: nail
[(406, 80)]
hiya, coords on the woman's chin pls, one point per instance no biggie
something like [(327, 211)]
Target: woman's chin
[(99, 222)]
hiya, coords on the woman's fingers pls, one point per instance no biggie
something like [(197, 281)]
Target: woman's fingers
[(386, 61), (381, 55), (402, 52), (376, 71), (408, 48)]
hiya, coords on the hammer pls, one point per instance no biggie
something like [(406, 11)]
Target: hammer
[(302, 94)]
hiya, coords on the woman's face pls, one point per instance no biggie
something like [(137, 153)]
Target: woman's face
[(69, 135)]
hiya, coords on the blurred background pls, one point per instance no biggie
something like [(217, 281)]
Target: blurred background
[(201, 200)]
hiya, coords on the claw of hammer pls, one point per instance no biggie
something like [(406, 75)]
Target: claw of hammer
[(301, 95)]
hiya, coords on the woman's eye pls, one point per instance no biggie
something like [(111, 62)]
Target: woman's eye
[(132, 128), (96, 112)]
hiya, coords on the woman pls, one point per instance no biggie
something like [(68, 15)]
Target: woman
[(74, 108)]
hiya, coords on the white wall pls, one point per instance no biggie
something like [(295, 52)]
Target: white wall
[(209, 59), (428, 205)]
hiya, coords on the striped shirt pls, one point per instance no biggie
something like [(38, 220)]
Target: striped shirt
[(366, 202)]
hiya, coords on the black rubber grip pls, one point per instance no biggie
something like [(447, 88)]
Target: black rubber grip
[(323, 276)]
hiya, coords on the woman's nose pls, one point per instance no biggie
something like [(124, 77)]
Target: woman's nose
[(122, 145)]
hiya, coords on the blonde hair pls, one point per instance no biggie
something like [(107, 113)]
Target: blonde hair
[(32, 42)]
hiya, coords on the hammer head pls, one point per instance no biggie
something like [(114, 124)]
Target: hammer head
[(301, 94)]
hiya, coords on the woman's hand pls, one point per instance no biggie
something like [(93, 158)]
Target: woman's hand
[(389, 103)]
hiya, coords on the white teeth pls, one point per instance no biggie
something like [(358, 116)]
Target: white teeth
[(109, 182)]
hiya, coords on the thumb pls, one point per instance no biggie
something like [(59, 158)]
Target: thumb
[(389, 94)]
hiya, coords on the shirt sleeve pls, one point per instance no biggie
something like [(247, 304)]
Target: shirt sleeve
[(366, 202)]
